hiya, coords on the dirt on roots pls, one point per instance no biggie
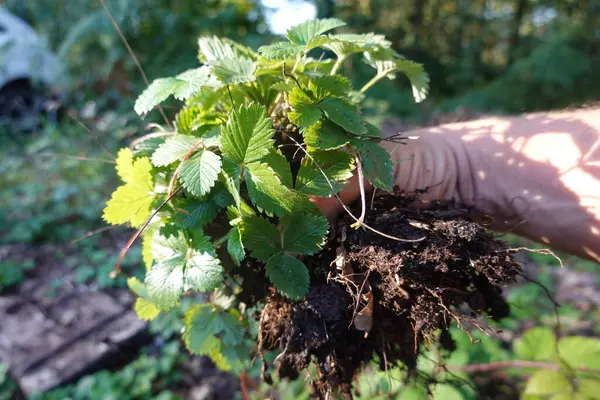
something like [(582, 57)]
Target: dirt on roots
[(374, 296)]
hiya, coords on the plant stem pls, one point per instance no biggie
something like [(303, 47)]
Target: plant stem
[(492, 366), (368, 85), (337, 65), (361, 185), (221, 240)]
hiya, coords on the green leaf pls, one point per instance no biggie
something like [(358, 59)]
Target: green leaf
[(137, 287), (280, 165), (546, 382), (325, 135), (231, 178), (377, 164), (337, 166), (329, 85), (185, 119), (387, 62), (182, 87), (288, 274), (269, 194), (589, 388), (208, 330), (211, 48), (201, 214), (181, 266), (248, 135), (174, 149), (446, 392), (281, 50), (346, 44), (537, 344), (261, 237), (235, 247), (580, 351), (145, 310), (147, 147), (303, 234), (132, 201), (307, 33), (200, 172), (305, 113), (343, 114), (234, 71)]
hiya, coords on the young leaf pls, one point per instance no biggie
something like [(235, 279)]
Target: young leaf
[(145, 310), (203, 272), (346, 44), (387, 62), (165, 282), (305, 113), (308, 34), (289, 275), (280, 166), (536, 344), (132, 201), (329, 85), (211, 48), (303, 234), (185, 119), (234, 71), (337, 165), (248, 135), (182, 87), (200, 172), (377, 164), (261, 237), (281, 50), (325, 135), (173, 149), (235, 247), (343, 114)]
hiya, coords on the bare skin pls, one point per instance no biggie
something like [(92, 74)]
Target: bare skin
[(537, 175)]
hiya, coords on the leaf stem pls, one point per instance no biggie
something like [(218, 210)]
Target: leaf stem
[(221, 240), (337, 65), (368, 85), (361, 185)]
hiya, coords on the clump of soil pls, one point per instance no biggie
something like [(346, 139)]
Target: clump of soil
[(375, 296)]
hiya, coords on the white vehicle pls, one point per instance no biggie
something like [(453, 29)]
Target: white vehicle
[(28, 73)]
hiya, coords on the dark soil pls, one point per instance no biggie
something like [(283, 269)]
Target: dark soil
[(374, 296)]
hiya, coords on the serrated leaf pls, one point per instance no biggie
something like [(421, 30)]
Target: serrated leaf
[(281, 50), (329, 85), (377, 164), (346, 44), (372, 130), (147, 147), (261, 237), (211, 48), (325, 135), (580, 351), (547, 382), (203, 272), (208, 330), (145, 310), (337, 166), (306, 112), (182, 87), (303, 234), (200, 172), (235, 247), (165, 282), (132, 201), (387, 62), (289, 275), (234, 71), (201, 214), (343, 114), (185, 118), (137, 287), (308, 31), (269, 194), (536, 344), (174, 149), (248, 135), (280, 165)]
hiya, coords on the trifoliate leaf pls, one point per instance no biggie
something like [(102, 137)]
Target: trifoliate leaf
[(289, 275), (211, 48), (305, 113), (181, 266), (309, 31), (337, 166), (346, 44), (200, 172), (280, 165), (303, 234), (174, 149), (145, 310), (248, 135), (281, 50), (132, 201), (182, 87), (329, 85), (235, 247), (234, 71), (261, 237), (269, 194), (344, 114), (325, 135), (387, 62), (377, 164)]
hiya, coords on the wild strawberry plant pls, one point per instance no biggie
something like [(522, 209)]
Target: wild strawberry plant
[(230, 183)]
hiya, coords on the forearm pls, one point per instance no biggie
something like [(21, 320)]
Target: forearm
[(536, 175)]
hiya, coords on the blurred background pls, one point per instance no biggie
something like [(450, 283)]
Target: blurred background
[(67, 87)]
